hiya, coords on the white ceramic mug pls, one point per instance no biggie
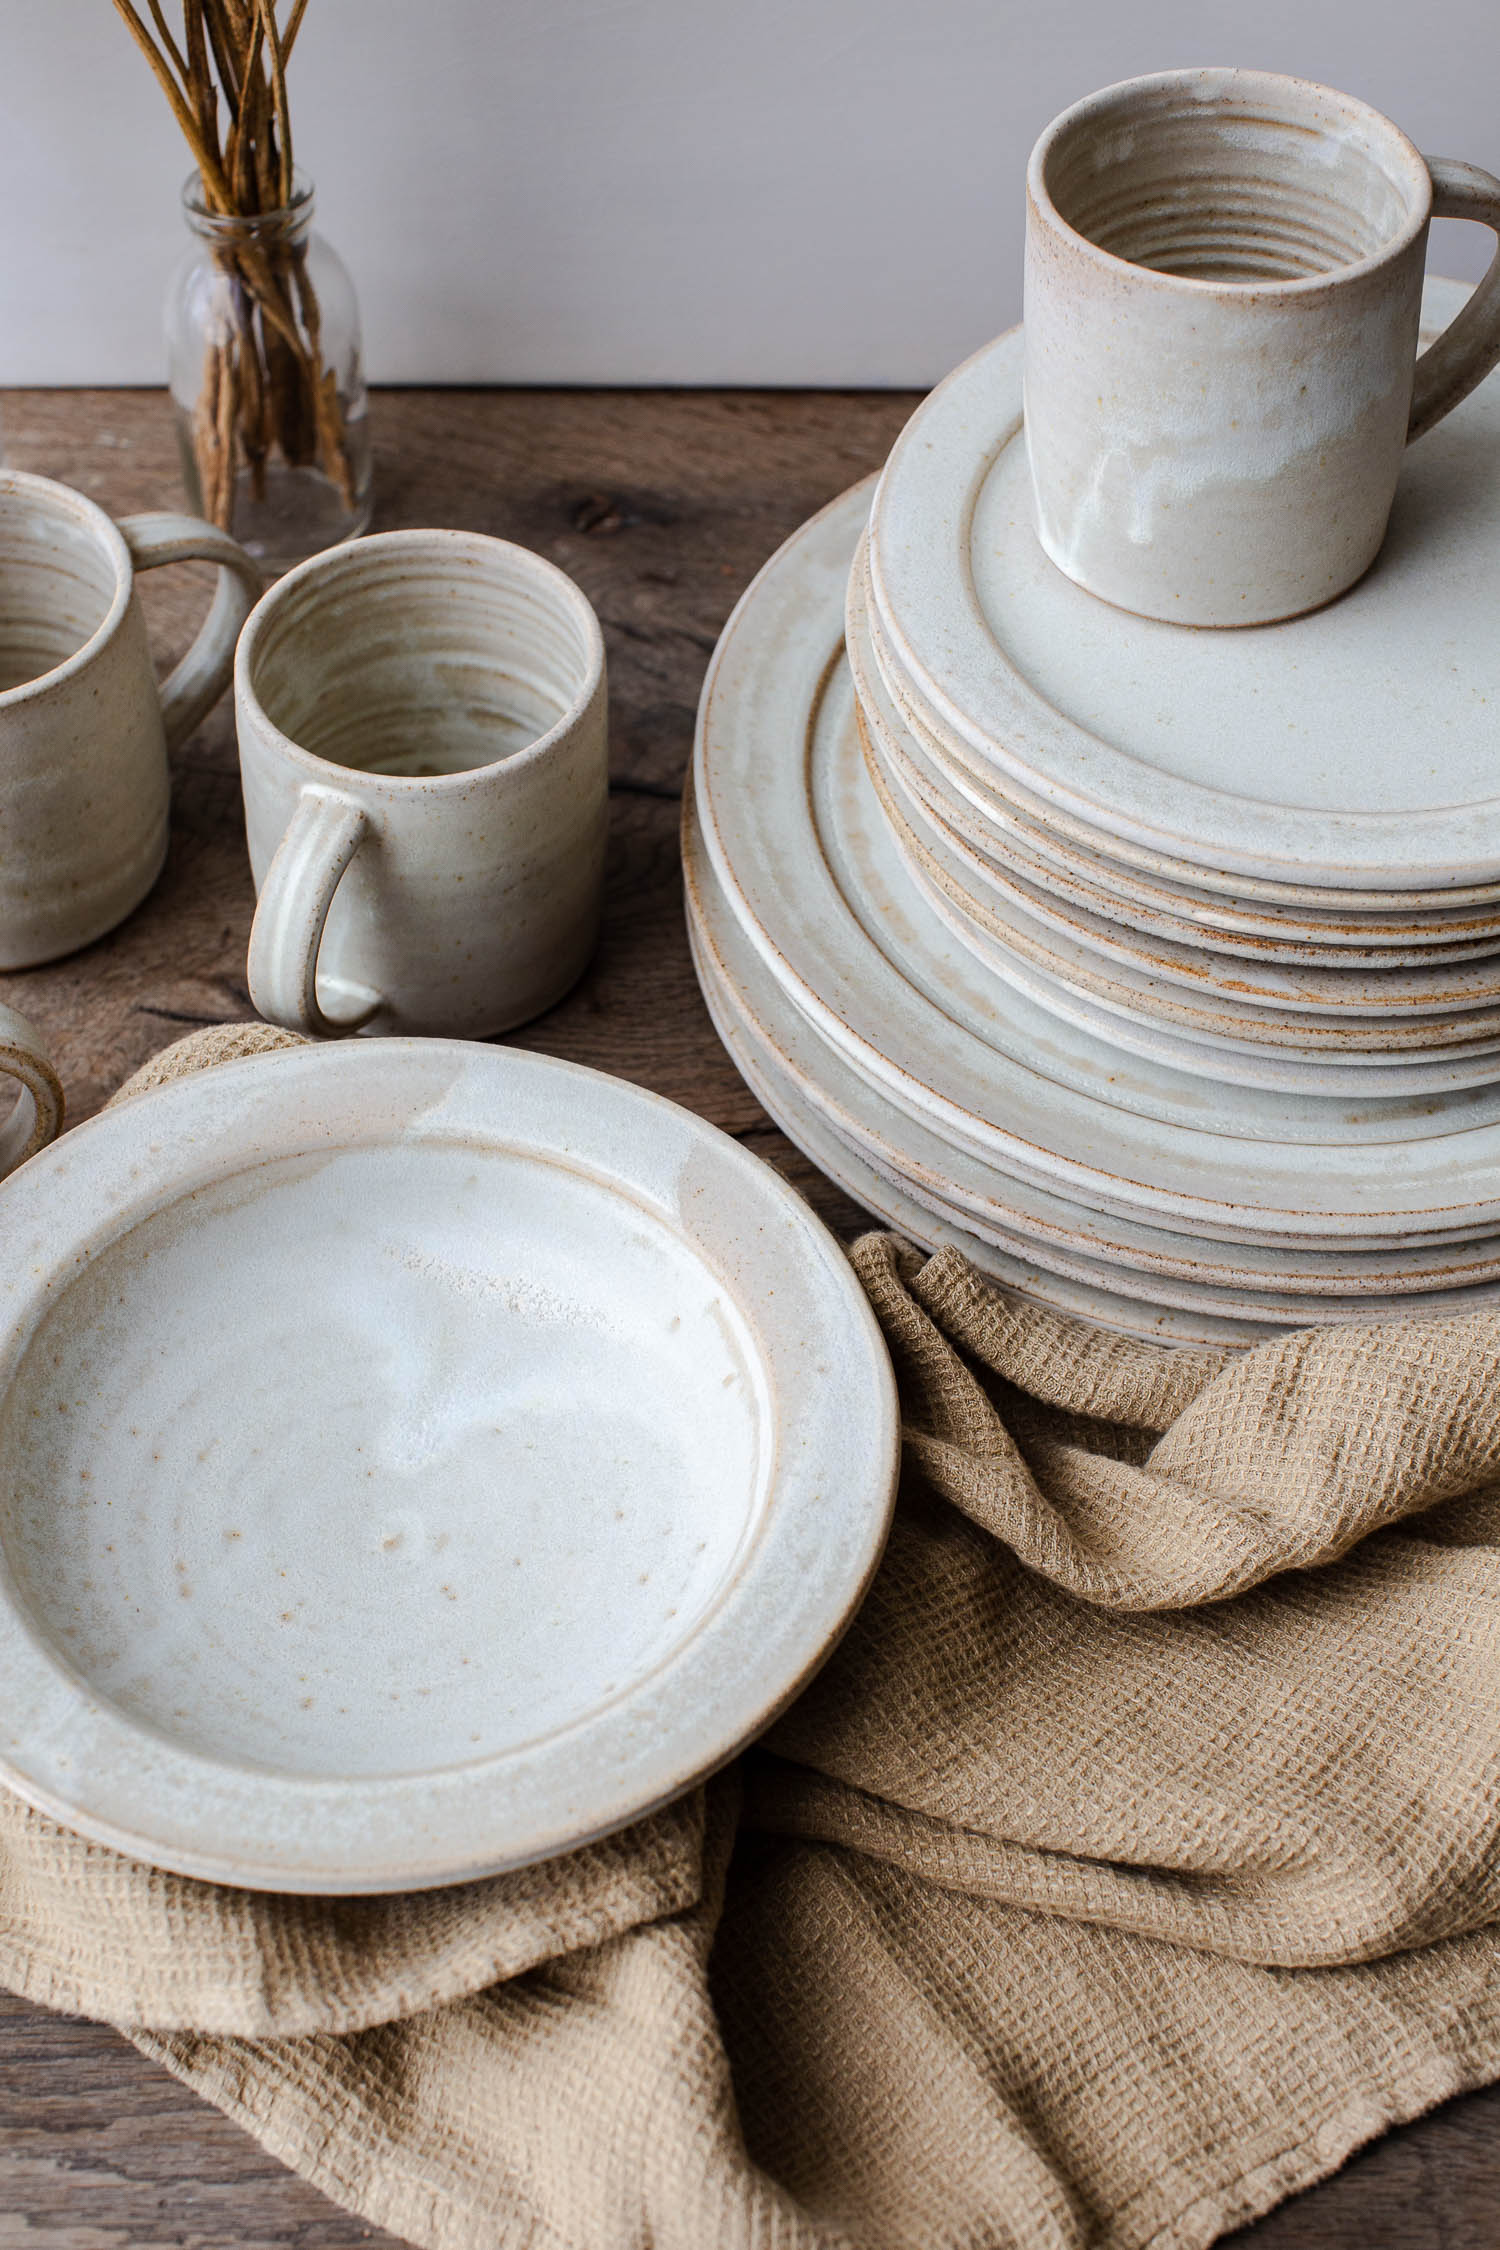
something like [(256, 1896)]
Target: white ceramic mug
[(35, 1116), (84, 728), (1223, 283), (424, 752)]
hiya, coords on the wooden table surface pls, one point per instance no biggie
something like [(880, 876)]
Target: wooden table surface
[(661, 505)]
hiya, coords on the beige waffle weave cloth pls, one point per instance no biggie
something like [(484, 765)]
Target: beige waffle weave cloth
[(1133, 1861)]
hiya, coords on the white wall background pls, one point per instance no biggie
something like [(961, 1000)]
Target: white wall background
[(654, 191)]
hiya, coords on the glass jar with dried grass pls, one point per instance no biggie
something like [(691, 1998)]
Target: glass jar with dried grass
[(264, 353), (262, 326)]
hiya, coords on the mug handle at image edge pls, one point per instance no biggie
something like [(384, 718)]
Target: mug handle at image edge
[(321, 838), (38, 1115), (1470, 345), (190, 692)]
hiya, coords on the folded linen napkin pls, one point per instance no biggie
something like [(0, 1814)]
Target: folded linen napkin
[(1133, 1860)]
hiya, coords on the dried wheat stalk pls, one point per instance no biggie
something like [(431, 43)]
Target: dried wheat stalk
[(264, 384)]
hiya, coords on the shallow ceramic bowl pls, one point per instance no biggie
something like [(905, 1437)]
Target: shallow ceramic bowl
[(421, 1458)]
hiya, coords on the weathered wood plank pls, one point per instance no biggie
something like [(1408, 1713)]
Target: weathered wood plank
[(661, 505)]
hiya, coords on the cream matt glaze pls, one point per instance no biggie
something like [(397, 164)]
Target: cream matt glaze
[(1158, 1270), (791, 828), (37, 1113)]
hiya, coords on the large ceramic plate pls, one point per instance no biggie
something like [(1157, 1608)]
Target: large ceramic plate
[(1172, 1275), (925, 1220), (1008, 854), (420, 1458), (999, 933), (1307, 1011), (808, 866), (1369, 727), (980, 789)]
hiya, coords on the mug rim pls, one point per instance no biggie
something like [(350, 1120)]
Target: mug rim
[(66, 500), (435, 539), (1240, 292)]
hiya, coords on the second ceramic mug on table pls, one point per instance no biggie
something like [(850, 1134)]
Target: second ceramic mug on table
[(424, 753), (1223, 284)]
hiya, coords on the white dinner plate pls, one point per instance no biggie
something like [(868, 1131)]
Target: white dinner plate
[(421, 1458), (983, 789), (1008, 848), (1295, 1009), (1353, 747), (809, 867), (926, 1222), (777, 1047), (1000, 932)]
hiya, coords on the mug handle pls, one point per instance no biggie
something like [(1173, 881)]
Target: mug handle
[(189, 693), (37, 1117), (321, 838), (1470, 345)]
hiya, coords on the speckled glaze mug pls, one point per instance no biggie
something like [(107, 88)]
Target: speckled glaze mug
[(84, 727), (1223, 285), (424, 754)]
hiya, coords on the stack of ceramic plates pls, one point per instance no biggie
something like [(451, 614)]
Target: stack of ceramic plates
[(1158, 969)]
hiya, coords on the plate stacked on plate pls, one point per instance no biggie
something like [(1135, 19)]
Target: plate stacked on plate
[(1269, 857), (1160, 969)]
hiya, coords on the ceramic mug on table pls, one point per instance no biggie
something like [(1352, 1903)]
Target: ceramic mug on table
[(84, 728), (424, 753), (1223, 285)]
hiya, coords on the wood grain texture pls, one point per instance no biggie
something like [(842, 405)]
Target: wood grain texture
[(661, 505)]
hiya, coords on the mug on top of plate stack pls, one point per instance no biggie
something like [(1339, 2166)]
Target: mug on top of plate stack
[(1159, 967)]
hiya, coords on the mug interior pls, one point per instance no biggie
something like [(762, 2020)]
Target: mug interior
[(396, 656), (57, 586), (1232, 176)]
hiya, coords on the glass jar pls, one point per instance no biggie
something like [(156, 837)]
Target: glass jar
[(267, 381)]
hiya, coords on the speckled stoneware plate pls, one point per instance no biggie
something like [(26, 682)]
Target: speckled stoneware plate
[(1354, 1077), (1312, 1010), (809, 868), (1158, 1307), (986, 794), (927, 1222), (1321, 1048), (1219, 1054), (420, 1458), (942, 797), (1162, 1274), (1369, 727)]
